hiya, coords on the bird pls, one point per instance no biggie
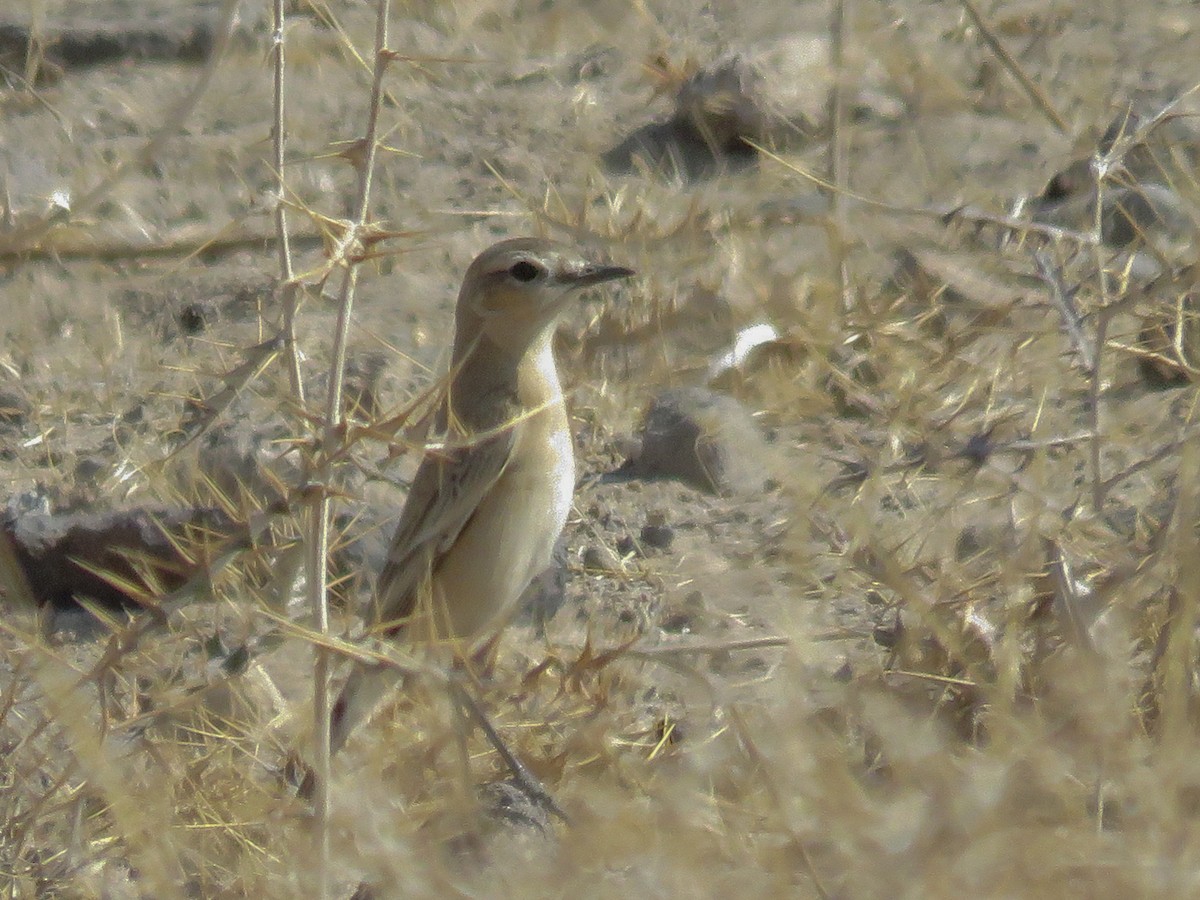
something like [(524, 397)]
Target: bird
[(491, 494)]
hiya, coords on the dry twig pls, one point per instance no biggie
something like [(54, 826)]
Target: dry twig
[(318, 531), (1035, 93)]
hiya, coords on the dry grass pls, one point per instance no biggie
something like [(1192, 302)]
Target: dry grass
[(981, 548)]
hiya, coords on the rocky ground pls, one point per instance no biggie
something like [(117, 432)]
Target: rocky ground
[(879, 579)]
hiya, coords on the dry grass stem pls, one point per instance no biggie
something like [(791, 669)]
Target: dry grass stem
[(1031, 88), (838, 173), (288, 288), (318, 534)]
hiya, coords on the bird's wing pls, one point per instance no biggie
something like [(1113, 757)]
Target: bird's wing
[(446, 491)]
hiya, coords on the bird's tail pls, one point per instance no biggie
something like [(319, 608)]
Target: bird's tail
[(364, 691)]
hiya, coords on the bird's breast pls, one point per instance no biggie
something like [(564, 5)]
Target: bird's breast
[(511, 536)]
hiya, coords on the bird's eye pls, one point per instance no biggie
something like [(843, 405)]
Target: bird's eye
[(524, 271)]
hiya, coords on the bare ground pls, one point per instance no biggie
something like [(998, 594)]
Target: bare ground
[(986, 680)]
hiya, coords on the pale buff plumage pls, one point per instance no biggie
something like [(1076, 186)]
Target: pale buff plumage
[(492, 494)]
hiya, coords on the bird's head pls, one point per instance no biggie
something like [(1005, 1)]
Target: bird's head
[(514, 290)]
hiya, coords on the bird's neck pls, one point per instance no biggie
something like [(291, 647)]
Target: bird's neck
[(484, 372), (537, 376)]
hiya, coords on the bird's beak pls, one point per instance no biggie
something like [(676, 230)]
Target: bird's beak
[(586, 275)]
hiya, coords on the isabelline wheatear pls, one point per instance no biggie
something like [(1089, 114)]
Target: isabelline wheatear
[(492, 493)]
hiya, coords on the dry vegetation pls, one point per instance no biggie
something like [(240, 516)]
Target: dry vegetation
[(948, 650)]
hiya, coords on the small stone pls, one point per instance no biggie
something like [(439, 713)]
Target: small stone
[(677, 623), (660, 537), (685, 616), (547, 592), (14, 408), (196, 318), (1142, 204), (706, 439), (89, 468), (1130, 212), (888, 635), (601, 558), (773, 93), (968, 544), (61, 553)]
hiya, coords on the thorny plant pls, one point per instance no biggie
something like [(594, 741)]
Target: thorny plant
[(1031, 720)]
